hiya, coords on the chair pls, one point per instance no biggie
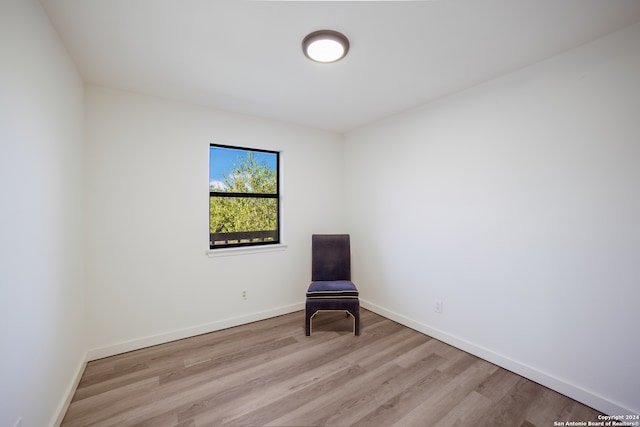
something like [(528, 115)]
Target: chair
[(331, 287)]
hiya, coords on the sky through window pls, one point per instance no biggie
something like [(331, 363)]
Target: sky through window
[(223, 160)]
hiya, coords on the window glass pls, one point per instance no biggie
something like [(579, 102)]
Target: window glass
[(243, 197)]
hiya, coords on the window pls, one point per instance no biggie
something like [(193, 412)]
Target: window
[(244, 200)]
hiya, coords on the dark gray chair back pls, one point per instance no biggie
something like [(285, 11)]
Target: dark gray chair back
[(330, 257)]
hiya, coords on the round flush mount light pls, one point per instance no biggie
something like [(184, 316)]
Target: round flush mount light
[(325, 46)]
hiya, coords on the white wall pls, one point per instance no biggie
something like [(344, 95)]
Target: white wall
[(42, 343), (517, 203), (149, 277)]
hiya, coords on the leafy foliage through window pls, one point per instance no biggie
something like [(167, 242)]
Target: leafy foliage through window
[(243, 197)]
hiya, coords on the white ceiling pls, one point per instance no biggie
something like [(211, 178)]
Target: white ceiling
[(245, 56)]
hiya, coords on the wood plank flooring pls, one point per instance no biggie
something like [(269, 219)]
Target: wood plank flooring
[(269, 373)]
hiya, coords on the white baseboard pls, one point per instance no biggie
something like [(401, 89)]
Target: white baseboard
[(581, 395), (136, 344), (71, 389)]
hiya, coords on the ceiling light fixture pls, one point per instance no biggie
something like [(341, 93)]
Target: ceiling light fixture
[(325, 46)]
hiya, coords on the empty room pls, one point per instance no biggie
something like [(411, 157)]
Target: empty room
[(165, 167)]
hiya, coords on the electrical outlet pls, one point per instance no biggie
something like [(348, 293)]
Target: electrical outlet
[(244, 294), (438, 306)]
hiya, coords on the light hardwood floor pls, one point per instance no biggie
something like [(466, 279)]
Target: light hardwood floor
[(269, 373)]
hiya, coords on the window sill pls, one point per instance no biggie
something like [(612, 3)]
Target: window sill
[(214, 253)]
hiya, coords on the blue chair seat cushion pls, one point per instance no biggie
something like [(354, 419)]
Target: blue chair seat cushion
[(332, 289)]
